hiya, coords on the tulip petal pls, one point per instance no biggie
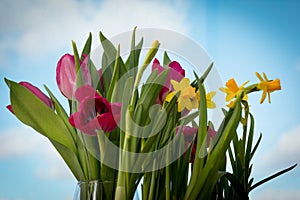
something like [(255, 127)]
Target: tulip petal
[(37, 92), (66, 75), (9, 107), (94, 112), (85, 91)]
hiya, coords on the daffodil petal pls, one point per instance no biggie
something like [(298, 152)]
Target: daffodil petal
[(259, 76), (176, 85), (244, 84), (210, 95), (263, 97), (170, 96), (269, 97), (265, 77), (231, 85)]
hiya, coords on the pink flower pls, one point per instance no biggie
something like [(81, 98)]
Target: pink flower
[(37, 92), (189, 134), (66, 74), (94, 112), (189, 138), (176, 73)]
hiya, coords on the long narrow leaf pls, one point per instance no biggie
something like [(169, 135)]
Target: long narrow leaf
[(272, 177), (256, 146), (87, 47)]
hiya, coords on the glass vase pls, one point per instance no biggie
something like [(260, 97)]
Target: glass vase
[(94, 190)]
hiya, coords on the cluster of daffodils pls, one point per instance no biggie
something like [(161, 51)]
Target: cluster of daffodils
[(265, 85)]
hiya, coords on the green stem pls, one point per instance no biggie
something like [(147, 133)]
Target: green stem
[(168, 179), (153, 182)]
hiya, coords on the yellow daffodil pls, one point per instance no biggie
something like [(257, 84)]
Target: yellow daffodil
[(187, 98), (209, 101), (232, 90), (267, 86)]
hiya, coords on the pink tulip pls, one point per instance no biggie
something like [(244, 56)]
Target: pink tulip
[(189, 138), (176, 73), (66, 74), (37, 92), (94, 112)]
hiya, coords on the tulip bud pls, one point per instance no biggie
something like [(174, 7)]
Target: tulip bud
[(37, 92), (66, 74)]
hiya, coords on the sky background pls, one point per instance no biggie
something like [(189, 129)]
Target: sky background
[(241, 37)]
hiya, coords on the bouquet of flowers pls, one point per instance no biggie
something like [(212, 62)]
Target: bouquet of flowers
[(126, 128)]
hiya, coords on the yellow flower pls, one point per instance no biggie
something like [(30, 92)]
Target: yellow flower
[(209, 101), (232, 90), (187, 98), (267, 86)]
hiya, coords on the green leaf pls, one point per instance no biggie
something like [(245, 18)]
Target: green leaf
[(133, 58), (167, 60), (95, 76), (197, 181), (108, 60), (87, 47), (106, 73), (77, 64), (232, 161), (115, 75), (172, 104), (124, 97), (33, 112), (213, 162), (189, 118), (203, 77), (109, 49), (249, 144), (62, 113), (151, 89), (256, 146), (272, 177)]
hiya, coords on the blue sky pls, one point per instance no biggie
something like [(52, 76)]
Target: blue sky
[(241, 37)]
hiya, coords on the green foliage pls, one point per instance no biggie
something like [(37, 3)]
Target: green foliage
[(147, 127)]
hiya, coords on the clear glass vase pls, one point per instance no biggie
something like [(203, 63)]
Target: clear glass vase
[(94, 190)]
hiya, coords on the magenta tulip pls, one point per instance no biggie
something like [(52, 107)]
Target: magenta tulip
[(190, 136), (176, 73), (37, 92), (94, 112), (66, 74)]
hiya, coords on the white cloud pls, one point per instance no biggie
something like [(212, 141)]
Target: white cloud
[(19, 142), (287, 149), (40, 27), (23, 141)]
